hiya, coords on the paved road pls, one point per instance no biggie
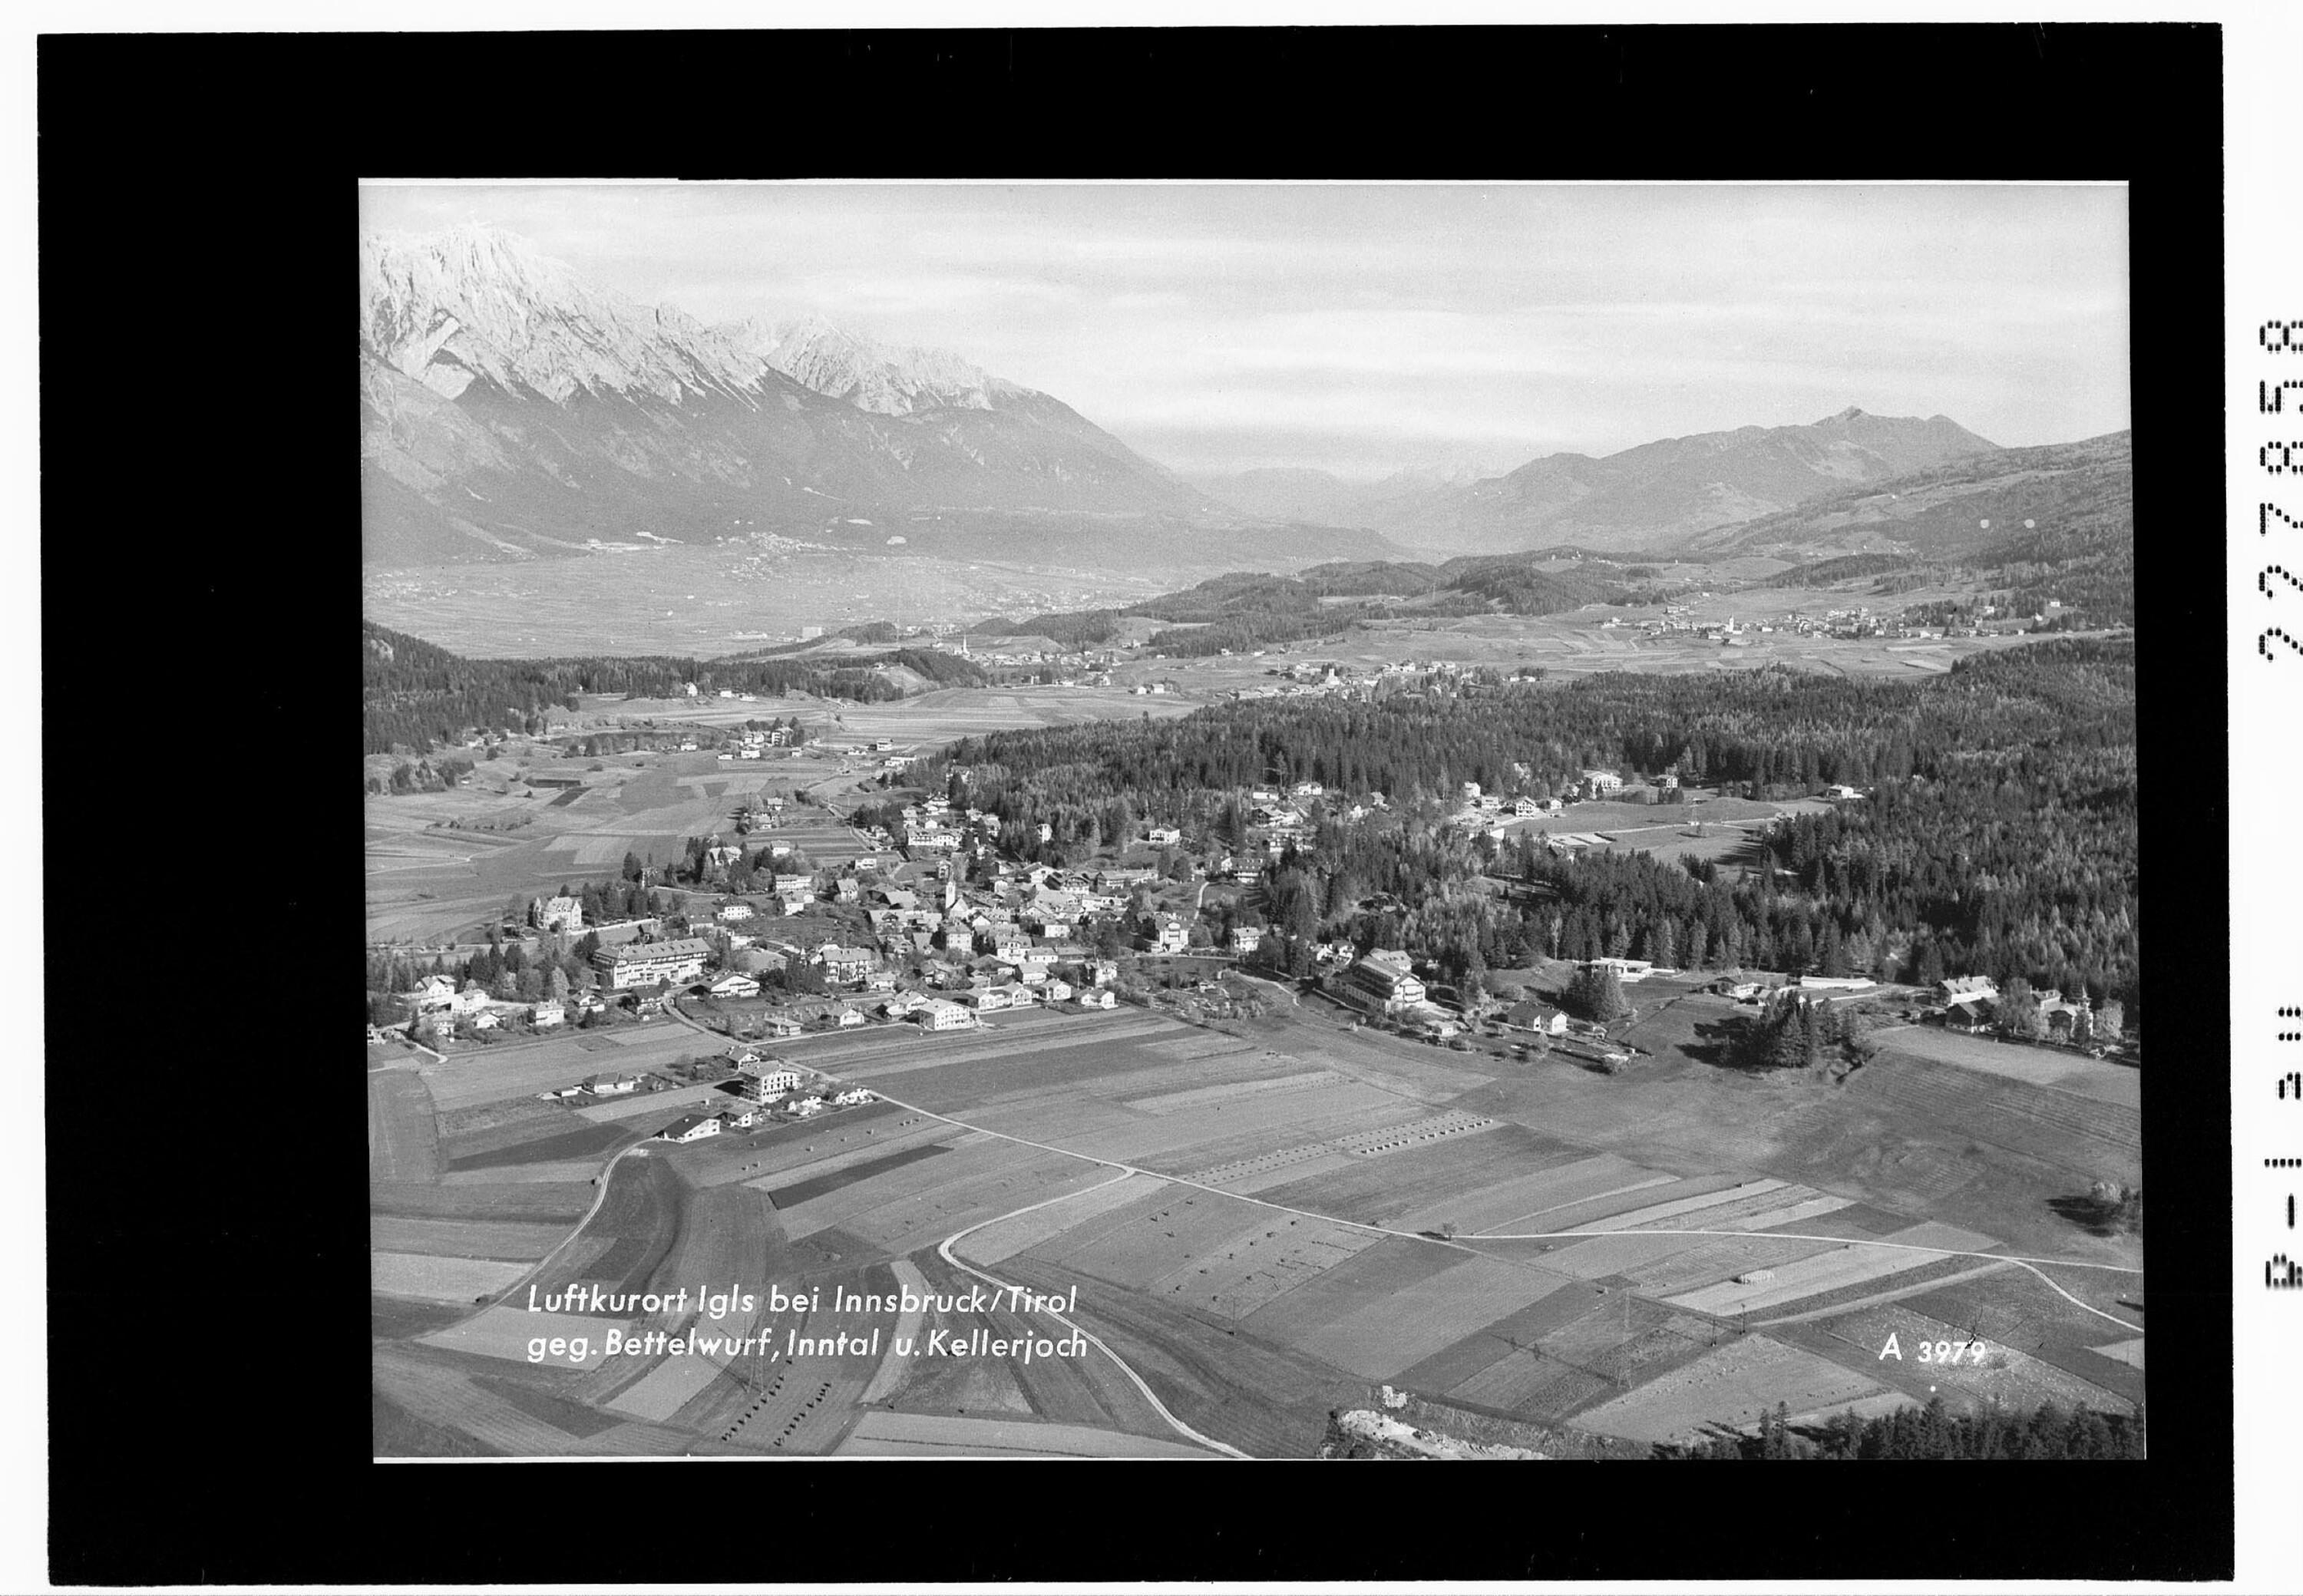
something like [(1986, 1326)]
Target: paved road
[(943, 1251)]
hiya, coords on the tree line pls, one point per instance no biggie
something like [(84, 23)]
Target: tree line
[(417, 696), (1933, 1432)]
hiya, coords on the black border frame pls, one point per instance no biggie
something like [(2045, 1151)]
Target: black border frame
[(195, 195)]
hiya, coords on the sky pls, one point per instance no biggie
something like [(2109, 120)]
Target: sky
[(1364, 329)]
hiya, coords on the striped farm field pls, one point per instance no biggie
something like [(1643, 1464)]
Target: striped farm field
[(1844, 1265), (1006, 1237), (1732, 1384), (1189, 1227), (965, 1073), (1679, 1210), (587, 1141), (1065, 1122), (1251, 1176), (1806, 1211), (1621, 1252), (1382, 1338), (1608, 1212), (463, 1238), (1710, 1262), (1530, 1202), (1411, 1133), (1524, 1380), (533, 1202), (439, 1279), (1380, 1191), (935, 1167), (555, 1172), (945, 1435), (1564, 1301), (1393, 1265), (1741, 1209), (1319, 1111), (912, 1222), (1167, 1102), (1198, 1044), (1252, 1268)]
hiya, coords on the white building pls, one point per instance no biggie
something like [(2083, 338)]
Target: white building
[(644, 964), (770, 1084), (939, 1014)]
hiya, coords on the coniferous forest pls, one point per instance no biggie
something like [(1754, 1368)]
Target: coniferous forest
[(1933, 1432), (1999, 837)]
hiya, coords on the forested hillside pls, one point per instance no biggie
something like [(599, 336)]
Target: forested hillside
[(415, 694)]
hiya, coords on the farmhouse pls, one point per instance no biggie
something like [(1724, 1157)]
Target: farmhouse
[(1541, 1018), (645, 964), (1962, 988), (692, 1127), (611, 1086), (1624, 969), (740, 1118)]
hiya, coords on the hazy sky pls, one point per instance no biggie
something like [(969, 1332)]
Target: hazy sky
[(1362, 328)]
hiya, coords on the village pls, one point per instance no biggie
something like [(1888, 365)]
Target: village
[(934, 929)]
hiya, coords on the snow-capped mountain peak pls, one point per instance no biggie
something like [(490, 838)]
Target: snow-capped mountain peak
[(886, 379), (450, 307)]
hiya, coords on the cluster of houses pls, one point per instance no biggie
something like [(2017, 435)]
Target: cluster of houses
[(1858, 622), (773, 1091), (753, 742), (1973, 1003)]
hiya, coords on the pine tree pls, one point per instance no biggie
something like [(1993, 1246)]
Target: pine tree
[(1595, 994)]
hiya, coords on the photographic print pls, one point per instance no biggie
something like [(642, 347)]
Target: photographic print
[(1199, 821)]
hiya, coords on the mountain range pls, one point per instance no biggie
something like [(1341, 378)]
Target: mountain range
[(1980, 508), (511, 409), (1647, 497)]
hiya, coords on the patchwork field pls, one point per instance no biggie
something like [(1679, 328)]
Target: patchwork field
[(1263, 1222)]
